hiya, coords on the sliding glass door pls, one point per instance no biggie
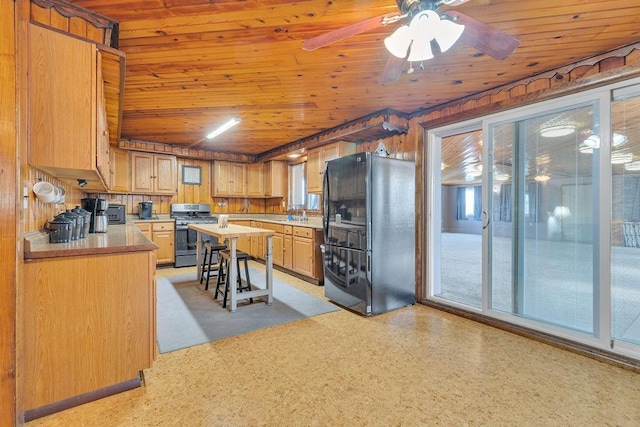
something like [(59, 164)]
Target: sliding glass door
[(542, 233), (625, 210), (534, 217), (458, 187)]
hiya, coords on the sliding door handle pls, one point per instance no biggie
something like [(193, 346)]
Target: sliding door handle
[(486, 220)]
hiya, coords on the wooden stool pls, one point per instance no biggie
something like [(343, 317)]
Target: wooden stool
[(223, 274), (208, 267)]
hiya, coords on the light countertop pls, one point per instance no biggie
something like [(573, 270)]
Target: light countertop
[(118, 239)]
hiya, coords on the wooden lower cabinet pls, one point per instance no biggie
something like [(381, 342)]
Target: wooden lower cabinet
[(277, 243), (244, 243), (287, 247), (293, 247), (306, 257), (162, 233), (89, 323)]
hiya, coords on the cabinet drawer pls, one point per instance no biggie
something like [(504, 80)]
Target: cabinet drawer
[(162, 226), (288, 229), (144, 226), (278, 228), (303, 232)]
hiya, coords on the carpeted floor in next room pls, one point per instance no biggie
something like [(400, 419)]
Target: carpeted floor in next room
[(412, 367)]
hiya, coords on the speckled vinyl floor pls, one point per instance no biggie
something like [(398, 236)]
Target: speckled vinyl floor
[(411, 367)]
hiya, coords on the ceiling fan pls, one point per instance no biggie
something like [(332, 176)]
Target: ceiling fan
[(413, 42)]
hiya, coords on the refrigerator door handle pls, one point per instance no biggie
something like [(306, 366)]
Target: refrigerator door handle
[(368, 267), (325, 203)]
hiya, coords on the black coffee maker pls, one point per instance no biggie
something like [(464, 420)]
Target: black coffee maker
[(146, 209), (98, 209)]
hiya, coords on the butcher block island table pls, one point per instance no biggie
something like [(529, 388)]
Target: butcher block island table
[(231, 234)]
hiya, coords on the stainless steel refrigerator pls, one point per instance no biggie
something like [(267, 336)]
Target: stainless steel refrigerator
[(369, 233)]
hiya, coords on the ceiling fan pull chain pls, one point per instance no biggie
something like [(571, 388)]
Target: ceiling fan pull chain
[(410, 70)]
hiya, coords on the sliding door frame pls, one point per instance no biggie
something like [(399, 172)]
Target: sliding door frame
[(602, 307)]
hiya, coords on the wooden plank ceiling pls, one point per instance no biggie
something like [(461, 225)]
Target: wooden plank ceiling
[(192, 64)]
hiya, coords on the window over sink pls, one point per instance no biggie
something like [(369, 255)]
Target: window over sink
[(298, 196)]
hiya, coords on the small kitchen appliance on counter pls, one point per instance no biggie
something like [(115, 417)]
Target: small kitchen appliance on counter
[(146, 210), (98, 208), (185, 244), (116, 214)]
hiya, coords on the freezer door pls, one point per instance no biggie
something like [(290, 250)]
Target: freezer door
[(344, 202), (346, 277), (392, 233)]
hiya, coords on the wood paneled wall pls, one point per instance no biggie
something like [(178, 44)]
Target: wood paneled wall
[(8, 213)]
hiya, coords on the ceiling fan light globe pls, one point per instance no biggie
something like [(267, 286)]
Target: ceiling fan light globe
[(448, 34), (424, 26), (420, 52), (398, 43)]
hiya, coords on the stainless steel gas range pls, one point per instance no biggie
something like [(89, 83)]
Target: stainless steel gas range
[(185, 244)]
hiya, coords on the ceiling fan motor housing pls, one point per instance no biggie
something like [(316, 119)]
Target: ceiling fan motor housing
[(413, 7)]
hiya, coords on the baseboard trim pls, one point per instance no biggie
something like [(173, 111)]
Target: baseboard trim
[(81, 399)]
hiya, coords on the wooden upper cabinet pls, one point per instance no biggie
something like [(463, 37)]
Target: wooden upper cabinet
[(66, 109), (275, 179), (255, 180), (228, 179), (153, 173), (316, 159), (120, 171)]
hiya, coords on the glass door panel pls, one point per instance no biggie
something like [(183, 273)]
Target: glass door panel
[(459, 258), (542, 231), (625, 209)]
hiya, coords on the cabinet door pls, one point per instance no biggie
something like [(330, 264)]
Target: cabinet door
[(221, 179), (165, 254), (165, 175), (257, 242), (314, 171), (62, 103), (303, 256), (103, 149), (277, 243), (120, 172), (141, 172), (287, 252), (238, 184), (275, 179), (255, 180)]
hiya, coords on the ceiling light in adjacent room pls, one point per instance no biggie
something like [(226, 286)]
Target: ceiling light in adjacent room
[(594, 140), (633, 166), (225, 127), (621, 158), (557, 131)]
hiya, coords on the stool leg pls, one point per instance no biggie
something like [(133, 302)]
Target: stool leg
[(221, 276), (204, 262), (206, 287), (226, 286), (246, 271)]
